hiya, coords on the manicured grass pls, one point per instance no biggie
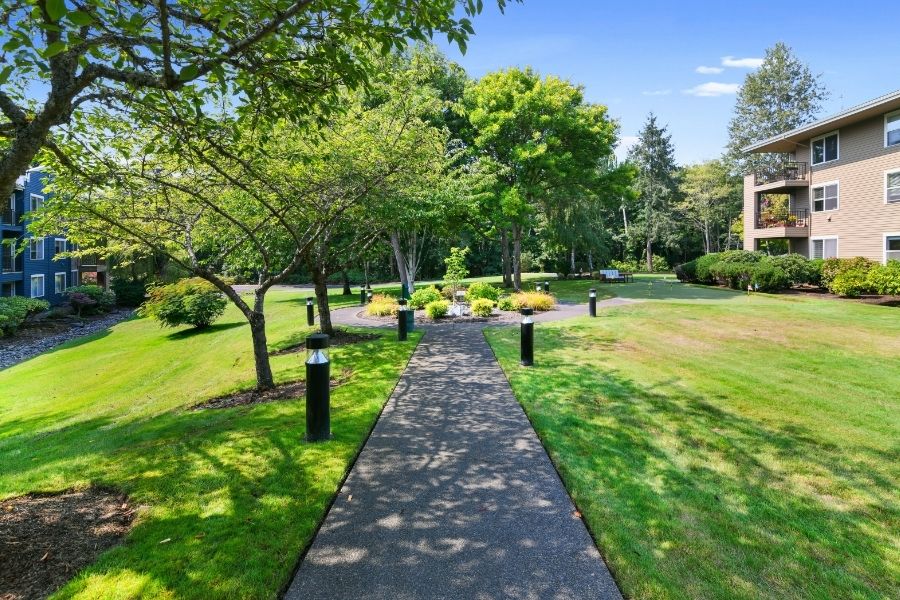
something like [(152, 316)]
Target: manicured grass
[(229, 498), (726, 446)]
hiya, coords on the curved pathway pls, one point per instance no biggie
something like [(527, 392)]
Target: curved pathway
[(453, 495)]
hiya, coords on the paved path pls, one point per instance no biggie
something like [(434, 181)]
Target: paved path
[(453, 496)]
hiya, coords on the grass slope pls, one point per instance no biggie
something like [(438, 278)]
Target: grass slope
[(230, 497), (726, 446)]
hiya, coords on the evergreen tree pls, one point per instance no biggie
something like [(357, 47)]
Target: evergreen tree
[(656, 183), (779, 96)]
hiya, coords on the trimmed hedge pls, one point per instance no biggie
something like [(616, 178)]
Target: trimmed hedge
[(14, 310), (482, 307)]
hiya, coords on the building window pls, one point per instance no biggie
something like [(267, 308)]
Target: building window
[(74, 278), (892, 186), (37, 286), (825, 197), (825, 148), (59, 245), (892, 247), (824, 248), (36, 248), (37, 201), (59, 283), (892, 129)]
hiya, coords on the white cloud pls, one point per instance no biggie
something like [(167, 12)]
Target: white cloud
[(712, 89), (709, 70), (657, 93), (746, 63)]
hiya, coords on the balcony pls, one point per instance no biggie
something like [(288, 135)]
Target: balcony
[(10, 263), (787, 175), (91, 263), (9, 217), (782, 224)]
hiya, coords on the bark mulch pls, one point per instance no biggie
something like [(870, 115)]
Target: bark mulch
[(293, 390), (340, 338), (45, 539)]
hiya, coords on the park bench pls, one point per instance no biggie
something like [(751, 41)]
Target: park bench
[(614, 276)]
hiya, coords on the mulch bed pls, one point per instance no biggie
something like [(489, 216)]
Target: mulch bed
[(421, 318), (340, 338), (865, 298), (286, 391), (45, 539)]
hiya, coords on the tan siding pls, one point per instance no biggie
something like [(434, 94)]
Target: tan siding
[(749, 214)]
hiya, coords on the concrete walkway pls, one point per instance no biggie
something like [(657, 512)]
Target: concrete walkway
[(453, 496)]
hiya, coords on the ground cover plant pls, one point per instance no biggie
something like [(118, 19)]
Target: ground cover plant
[(228, 498), (14, 310), (712, 453)]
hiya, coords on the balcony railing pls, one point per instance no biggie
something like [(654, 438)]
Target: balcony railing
[(8, 217), (789, 171), (9, 264), (786, 218)]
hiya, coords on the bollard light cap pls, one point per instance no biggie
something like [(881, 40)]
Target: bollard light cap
[(309, 300), (317, 341), (402, 301), (527, 311)]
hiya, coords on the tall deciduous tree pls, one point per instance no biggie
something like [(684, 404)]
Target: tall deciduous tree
[(711, 198), (656, 183), (544, 141), (779, 96), (125, 52)]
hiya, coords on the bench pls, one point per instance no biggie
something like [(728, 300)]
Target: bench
[(614, 276)]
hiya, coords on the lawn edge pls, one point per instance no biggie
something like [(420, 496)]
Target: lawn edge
[(287, 585)]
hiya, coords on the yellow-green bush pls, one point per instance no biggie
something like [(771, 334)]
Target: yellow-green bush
[(382, 305), (539, 301), (437, 309), (482, 307)]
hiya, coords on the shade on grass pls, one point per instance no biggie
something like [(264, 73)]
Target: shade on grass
[(726, 446), (229, 498)]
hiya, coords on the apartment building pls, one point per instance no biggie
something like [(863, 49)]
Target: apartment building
[(32, 266), (838, 193)]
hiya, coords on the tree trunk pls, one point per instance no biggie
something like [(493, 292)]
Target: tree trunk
[(517, 258), (506, 260), (649, 255), (590, 261), (345, 278), (264, 378), (572, 260), (320, 282), (400, 259)]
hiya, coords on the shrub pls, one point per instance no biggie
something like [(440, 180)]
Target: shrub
[(506, 303), (735, 275), (482, 307), (815, 271), (100, 299), (423, 296), (850, 283), (739, 256), (14, 311), (382, 305), (884, 279), (632, 265), (437, 309), (687, 272), (795, 266), (187, 302), (832, 267), (704, 263), (769, 277), (479, 290), (129, 292), (539, 301)]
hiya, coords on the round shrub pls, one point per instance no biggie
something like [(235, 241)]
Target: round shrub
[(884, 279), (16, 309), (704, 264), (192, 301), (735, 275), (437, 309), (129, 293), (850, 283), (423, 296), (740, 256), (768, 277), (506, 303), (91, 299), (382, 305), (795, 266), (686, 272), (482, 307), (480, 290), (832, 267)]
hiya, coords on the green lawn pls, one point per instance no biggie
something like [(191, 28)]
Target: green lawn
[(237, 491), (725, 446)]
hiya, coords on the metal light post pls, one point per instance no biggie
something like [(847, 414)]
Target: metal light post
[(592, 302), (527, 337), (537, 287), (401, 320), (369, 295), (547, 286), (318, 389), (310, 314), (362, 296)]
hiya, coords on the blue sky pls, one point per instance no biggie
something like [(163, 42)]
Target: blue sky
[(639, 56)]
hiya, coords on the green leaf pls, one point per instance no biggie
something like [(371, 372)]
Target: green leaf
[(54, 49), (188, 73), (5, 73), (80, 17), (56, 9)]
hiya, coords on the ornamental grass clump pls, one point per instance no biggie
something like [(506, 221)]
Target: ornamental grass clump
[(382, 305), (192, 301), (539, 301)]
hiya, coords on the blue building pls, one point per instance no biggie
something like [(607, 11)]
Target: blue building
[(31, 266)]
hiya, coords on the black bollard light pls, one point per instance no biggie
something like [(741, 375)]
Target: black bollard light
[(547, 286), (369, 295), (318, 389), (537, 287), (592, 302), (310, 314), (362, 296), (527, 337), (401, 320)]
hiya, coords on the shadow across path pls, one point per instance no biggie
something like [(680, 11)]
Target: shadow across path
[(453, 496)]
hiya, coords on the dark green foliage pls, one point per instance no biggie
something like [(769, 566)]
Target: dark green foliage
[(740, 256), (735, 275), (832, 267), (884, 279), (687, 272), (423, 296), (704, 263), (14, 311), (91, 299), (815, 271), (797, 267), (739, 268), (483, 290), (128, 292), (188, 302), (768, 277)]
